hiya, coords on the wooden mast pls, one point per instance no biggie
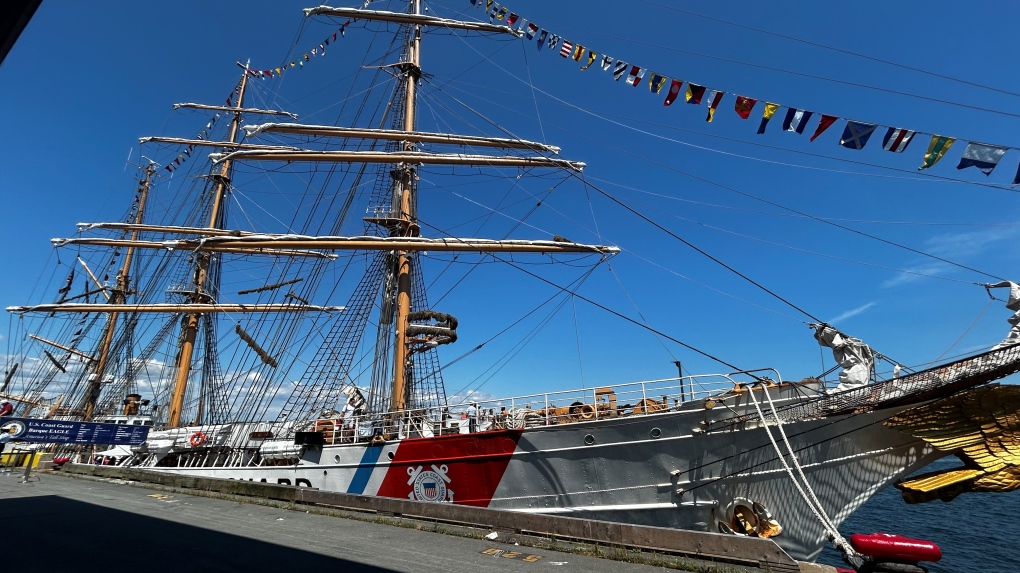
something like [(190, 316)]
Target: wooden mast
[(189, 325), (400, 390), (118, 297)]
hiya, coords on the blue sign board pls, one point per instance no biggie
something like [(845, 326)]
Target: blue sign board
[(67, 432)]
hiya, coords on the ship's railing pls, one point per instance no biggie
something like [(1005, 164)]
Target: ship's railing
[(536, 410), (361, 428), (913, 388), (568, 406)]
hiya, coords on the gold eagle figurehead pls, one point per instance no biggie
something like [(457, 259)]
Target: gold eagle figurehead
[(981, 427)]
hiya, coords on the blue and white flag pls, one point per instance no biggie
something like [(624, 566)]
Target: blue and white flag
[(607, 62), (553, 40), (542, 37), (796, 120), (619, 69), (856, 134), (984, 157), (896, 139)]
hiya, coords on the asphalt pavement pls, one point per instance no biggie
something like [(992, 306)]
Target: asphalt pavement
[(55, 523)]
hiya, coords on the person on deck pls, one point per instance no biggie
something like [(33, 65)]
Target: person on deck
[(347, 421), (472, 418), (6, 409), (1012, 303)]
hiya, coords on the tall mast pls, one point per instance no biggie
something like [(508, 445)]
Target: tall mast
[(400, 390), (189, 324), (119, 296)]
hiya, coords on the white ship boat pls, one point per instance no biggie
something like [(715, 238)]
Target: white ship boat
[(273, 380)]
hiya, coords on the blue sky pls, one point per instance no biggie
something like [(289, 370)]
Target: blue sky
[(84, 82)]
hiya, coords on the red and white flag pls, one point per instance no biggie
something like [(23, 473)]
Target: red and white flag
[(635, 75), (566, 49)]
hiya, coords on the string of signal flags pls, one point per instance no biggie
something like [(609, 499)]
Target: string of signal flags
[(856, 134), (306, 57), (261, 74)]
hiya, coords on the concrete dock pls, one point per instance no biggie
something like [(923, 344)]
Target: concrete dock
[(57, 523)]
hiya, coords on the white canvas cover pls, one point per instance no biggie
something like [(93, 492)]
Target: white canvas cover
[(855, 357), (1012, 303)]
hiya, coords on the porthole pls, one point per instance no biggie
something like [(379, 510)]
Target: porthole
[(589, 439), (389, 455), (655, 433), (336, 458)]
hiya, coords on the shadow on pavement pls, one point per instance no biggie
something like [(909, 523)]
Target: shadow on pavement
[(52, 533)]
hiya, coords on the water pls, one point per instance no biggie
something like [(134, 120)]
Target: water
[(977, 532)]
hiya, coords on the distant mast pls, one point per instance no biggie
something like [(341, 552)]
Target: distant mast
[(189, 324), (119, 296)]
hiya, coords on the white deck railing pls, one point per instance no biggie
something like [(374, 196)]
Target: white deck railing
[(536, 410)]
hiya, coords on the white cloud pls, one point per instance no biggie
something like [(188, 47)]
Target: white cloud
[(955, 247), (951, 245), (851, 313), (934, 268), (466, 398)]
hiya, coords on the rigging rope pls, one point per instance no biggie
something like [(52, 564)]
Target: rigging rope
[(835, 49), (794, 216), (700, 250), (812, 500), (762, 287), (812, 76), (815, 253), (710, 182)]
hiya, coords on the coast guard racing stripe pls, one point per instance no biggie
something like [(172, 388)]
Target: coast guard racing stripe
[(464, 468)]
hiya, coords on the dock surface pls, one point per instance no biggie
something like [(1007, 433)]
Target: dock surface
[(55, 523)]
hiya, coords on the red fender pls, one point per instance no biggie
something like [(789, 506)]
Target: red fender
[(889, 547)]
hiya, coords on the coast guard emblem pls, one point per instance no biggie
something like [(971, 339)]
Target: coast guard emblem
[(430, 484), (18, 426)]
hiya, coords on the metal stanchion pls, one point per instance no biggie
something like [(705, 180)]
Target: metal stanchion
[(28, 466)]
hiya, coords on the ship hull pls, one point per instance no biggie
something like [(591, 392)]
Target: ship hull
[(659, 469)]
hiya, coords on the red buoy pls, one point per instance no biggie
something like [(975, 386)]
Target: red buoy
[(889, 547)]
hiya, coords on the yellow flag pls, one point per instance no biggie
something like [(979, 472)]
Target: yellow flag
[(936, 149), (770, 110)]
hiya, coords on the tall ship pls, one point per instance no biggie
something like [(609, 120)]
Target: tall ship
[(283, 302)]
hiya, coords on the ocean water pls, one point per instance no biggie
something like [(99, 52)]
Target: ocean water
[(977, 532)]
